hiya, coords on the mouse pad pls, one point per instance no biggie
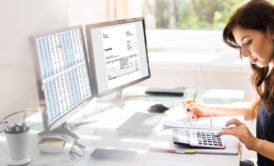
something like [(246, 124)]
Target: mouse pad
[(113, 154)]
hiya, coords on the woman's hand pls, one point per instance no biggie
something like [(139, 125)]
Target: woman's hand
[(238, 129), (197, 109)]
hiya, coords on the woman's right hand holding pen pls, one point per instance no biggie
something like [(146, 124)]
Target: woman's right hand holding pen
[(192, 106), (195, 108)]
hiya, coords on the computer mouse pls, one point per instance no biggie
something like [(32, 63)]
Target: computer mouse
[(157, 108)]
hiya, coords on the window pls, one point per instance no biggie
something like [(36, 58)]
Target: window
[(189, 14), (188, 25)]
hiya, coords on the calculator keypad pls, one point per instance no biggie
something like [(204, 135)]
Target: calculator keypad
[(207, 139), (198, 138)]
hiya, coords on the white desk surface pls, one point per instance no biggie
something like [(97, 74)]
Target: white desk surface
[(101, 134)]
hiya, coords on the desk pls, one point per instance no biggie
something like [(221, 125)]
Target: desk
[(102, 135)]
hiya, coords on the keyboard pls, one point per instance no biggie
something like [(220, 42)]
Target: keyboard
[(139, 122), (198, 138)]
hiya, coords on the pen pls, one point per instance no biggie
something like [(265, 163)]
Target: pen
[(182, 151), (195, 94), (16, 128), (175, 151), (189, 119), (7, 126), (211, 123), (193, 100)]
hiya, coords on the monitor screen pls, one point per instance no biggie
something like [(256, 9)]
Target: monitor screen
[(63, 78), (118, 54)]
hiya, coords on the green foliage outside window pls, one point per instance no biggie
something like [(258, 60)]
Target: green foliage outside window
[(193, 14)]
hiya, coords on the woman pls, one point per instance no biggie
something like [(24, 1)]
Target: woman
[(251, 30)]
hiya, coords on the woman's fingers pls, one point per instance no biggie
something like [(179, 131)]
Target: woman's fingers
[(241, 132), (233, 122), (186, 103), (194, 108), (228, 131), (194, 116), (237, 128)]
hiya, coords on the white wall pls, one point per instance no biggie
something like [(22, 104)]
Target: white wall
[(21, 19), (87, 11)]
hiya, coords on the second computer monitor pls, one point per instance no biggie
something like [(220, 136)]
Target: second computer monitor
[(62, 76), (118, 54)]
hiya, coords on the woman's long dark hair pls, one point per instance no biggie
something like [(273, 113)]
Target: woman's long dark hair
[(256, 15)]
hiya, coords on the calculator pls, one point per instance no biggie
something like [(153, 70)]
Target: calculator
[(198, 138)]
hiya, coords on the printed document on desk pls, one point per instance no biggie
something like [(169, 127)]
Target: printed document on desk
[(163, 142), (178, 118)]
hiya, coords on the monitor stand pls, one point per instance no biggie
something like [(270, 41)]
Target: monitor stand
[(118, 99), (66, 128)]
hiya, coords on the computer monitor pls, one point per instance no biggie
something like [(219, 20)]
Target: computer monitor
[(62, 76), (118, 55)]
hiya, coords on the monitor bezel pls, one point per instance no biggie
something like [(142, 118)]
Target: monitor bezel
[(41, 95), (92, 60)]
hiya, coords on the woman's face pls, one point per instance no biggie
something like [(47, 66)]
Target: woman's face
[(255, 45)]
